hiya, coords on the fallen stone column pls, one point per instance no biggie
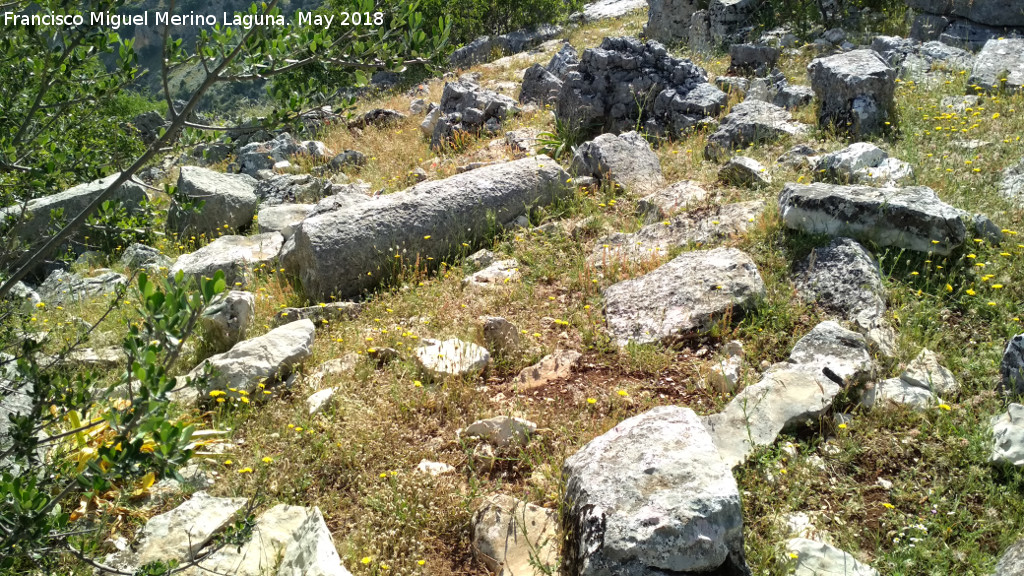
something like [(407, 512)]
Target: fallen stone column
[(351, 250)]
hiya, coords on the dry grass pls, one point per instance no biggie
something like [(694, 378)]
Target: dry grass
[(357, 459)]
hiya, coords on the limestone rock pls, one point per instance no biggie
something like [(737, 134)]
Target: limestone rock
[(909, 218), (784, 399), (999, 59), (1012, 185), (898, 391), (602, 90), (282, 218), (855, 91), (235, 255), (322, 314), (551, 368), (684, 297), (501, 431), (926, 372), (652, 495), (452, 358), (844, 278), (818, 559), (744, 171), (655, 240), (295, 188), (262, 360), (345, 252), (498, 274), (31, 227), (61, 287), (510, 535), (751, 122), (861, 162), (181, 533), (318, 400), (725, 373), (227, 319), (669, 200), (465, 107), (434, 468), (229, 202), (626, 160), (1012, 366), (1012, 561), (499, 335), (751, 57), (1008, 436), (311, 551), (139, 256), (834, 352)]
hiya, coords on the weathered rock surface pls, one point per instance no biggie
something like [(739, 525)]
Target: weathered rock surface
[(496, 275), (744, 171), (139, 256), (1008, 436), (912, 217), (990, 12), (311, 551), (551, 368), (669, 20), (898, 391), (751, 122), (783, 399), (229, 202), (348, 251), (843, 278), (682, 298), (926, 372), (746, 58), (181, 533), (500, 335), (264, 360), (724, 375), (501, 431), (819, 559), (626, 159), (834, 352), (669, 200), (452, 357), (378, 117), (482, 49), (699, 227), (999, 66), (602, 90), (1012, 561), (294, 188), (855, 91), (282, 218), (510, 536), (227, 319), (862, 162), (1012, 185), (32, 226), (672, 507), (1012, 366), (321, 314), (466, 107), (235, 255), (61, 287), (320, 399)]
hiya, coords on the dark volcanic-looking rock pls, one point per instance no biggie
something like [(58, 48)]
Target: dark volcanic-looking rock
[(653, 496), (855, 91), (626, 84), (912, 218), (751, 122), (347, 251)]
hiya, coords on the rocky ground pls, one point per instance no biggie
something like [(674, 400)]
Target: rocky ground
[(784, 338)]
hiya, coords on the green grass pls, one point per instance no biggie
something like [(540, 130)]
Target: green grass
[(356, 459)]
